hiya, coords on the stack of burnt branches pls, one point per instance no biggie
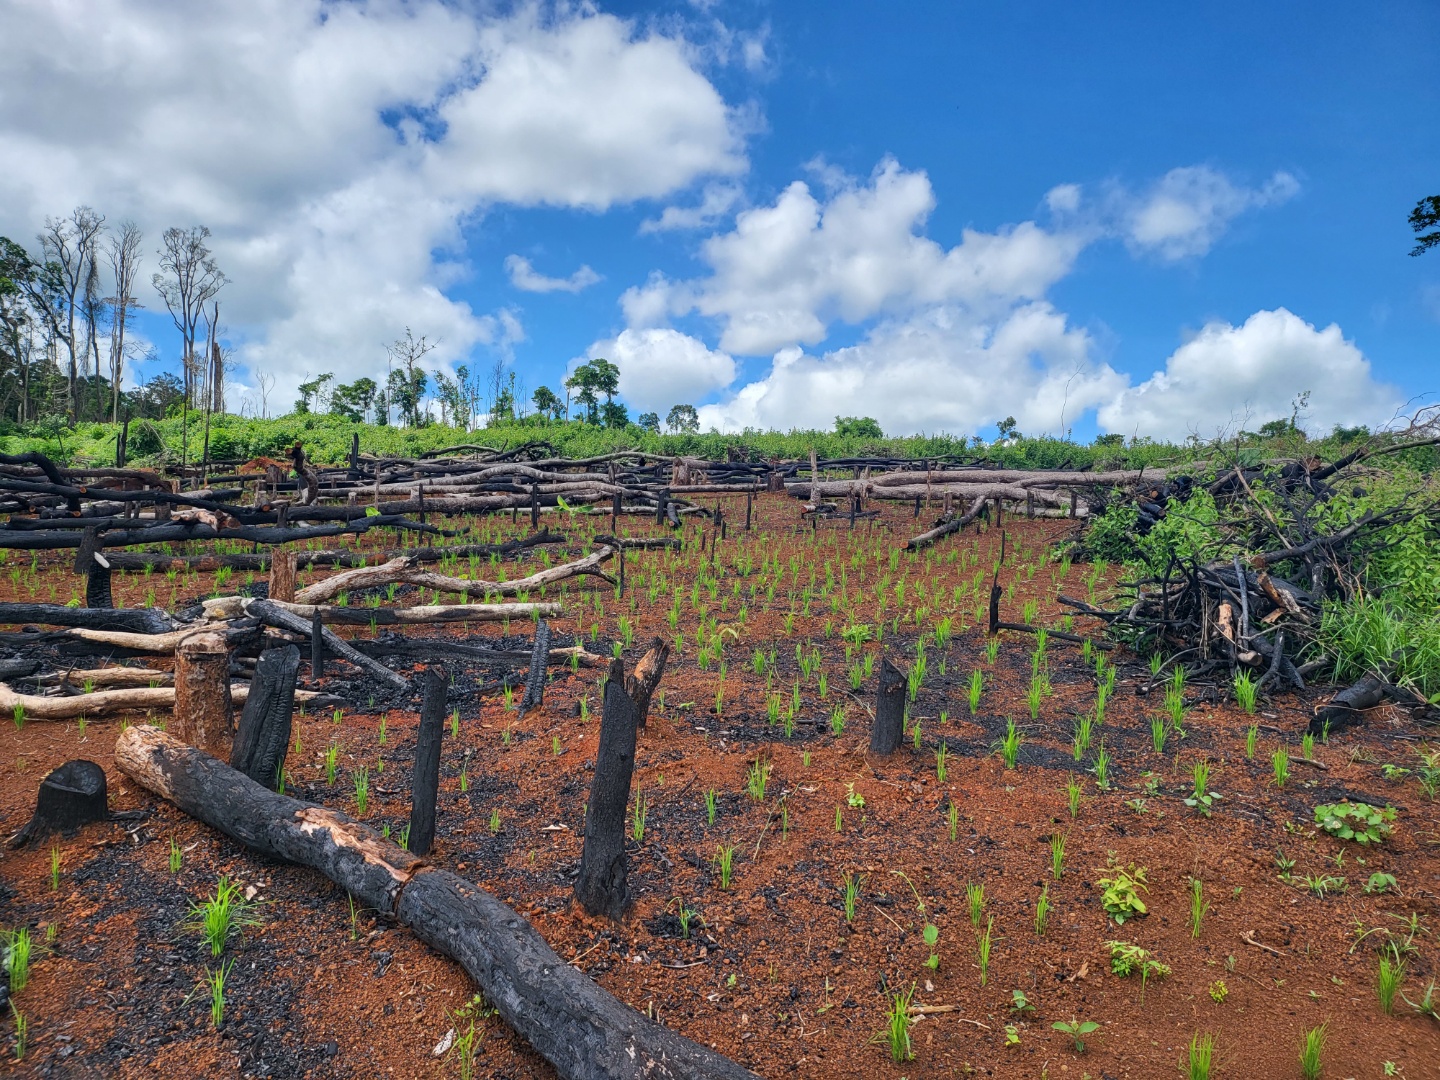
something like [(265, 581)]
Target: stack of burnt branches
[(1259, 567)]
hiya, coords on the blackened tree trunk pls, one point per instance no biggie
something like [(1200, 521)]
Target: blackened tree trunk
[(425, 781), (263, 737), (889, 730), (602, 887), (539, 658), (570, 1021)]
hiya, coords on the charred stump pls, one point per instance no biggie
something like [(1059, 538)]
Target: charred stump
[(602, 887), (889, 730), (535, 677), (645, 679), (70, 796), (425, 780), (263, 738)]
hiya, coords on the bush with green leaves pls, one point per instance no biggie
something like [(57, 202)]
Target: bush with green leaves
[(1360, 822)]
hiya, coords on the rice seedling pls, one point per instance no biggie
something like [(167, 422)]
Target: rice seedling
[(54, 869), (1159, 732), (1312, 1051), (177, 856), (637, 819), (1084, 732), (214, 981), (1245, 692), (977, 687), (1042, 910), (1057, 855), (332, 759), (361, 779), (724, 863), (992, 650), (1252, 737), (837, 720), (710, 807), (1201, 1057), (982, 950), (1102, 768), (494, 822), (1198, 907), (1073, 791), (850, 893), (757, 778), (941, 753), (223, 915), (897, 1027), (1009, 746), (1388, 978), (953, 818), (975, 898), (22, 1030), (1280, 764), (15, 957)]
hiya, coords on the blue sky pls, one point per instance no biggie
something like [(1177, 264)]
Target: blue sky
[(1156, 221)]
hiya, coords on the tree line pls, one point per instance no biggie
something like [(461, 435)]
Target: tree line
[(66, 307)]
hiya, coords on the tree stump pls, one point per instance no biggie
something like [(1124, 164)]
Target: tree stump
[(425, 780), (602, 887), (889, 730), (204, 717), (70, 796), (282, 575), (535, 678), (263, 738), (645, 679)]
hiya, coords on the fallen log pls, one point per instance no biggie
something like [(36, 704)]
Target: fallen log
[(129, 620), (403, 571), (113, 678), (584, 1032), (432, 647), (229, 607), (112, 702), (310, 560), (273, 613)]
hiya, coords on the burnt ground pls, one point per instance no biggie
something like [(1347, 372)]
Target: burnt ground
[(771, 972)]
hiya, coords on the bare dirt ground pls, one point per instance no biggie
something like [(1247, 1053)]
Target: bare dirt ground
[(768, 970)]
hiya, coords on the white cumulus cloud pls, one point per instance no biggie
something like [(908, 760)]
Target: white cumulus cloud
[(525, 277), (660, 367), (1184, 213), (940, 370), (787, 271), (1228, 375), (335, 149)]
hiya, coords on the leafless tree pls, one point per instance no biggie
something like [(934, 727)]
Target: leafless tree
[(123, 254), (215, 370), (187, 281), (264, 382), (69, 243)]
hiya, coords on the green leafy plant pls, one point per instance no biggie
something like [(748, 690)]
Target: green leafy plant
[(1120, 892), (1360, 822), (1126, 959), (1219, 991), (1202, 798), (1076, 1030), (931, 936)]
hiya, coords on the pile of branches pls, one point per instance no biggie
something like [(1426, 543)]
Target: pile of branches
[(1245, 591)]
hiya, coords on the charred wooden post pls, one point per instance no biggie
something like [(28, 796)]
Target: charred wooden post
[(994, 627), (90, 561), (645, 679), (535, 678), (204, 716), (70, 796), (660, 505), (749, 504), (889, 730), (262, 739), (584, 1032), (282, 575), (534, 507), (317, 646), (602, 887), (621, 585), (614, 510), (425, 781), (355, 455)]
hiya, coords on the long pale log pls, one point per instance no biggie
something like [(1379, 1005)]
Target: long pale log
[(110, 702), (309, 560), (584, 1032), (156, 643), (109, 677), (273, 613), (230, 607), (404, 571)]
